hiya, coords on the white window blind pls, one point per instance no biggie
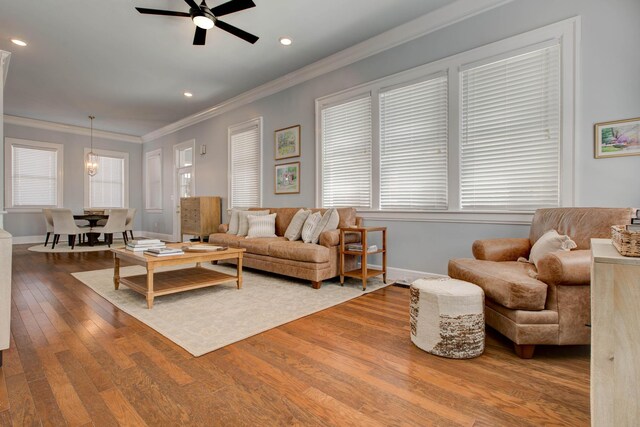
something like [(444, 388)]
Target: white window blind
[(346, 154), (106, 188), (245, 165), (34, 176), (154, 180), (413, 146), (510, 142)]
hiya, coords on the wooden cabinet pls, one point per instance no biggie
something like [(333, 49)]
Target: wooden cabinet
[(199, 216), (615, 336)]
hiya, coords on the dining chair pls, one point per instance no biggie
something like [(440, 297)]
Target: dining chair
[(48, 222), (63, 223), (115, 224), (128, 226)]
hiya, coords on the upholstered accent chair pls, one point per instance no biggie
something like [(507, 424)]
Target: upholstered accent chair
[(545, 305)]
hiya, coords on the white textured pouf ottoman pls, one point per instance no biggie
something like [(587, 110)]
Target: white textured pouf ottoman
[(447, 317)]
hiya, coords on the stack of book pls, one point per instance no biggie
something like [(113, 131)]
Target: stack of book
[(357, 247), (635, 225), (144, 244), (164, 251)]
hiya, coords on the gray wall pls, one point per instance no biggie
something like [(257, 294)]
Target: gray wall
[(610, 67), (32, 224)]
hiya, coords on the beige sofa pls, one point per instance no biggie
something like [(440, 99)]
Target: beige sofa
[(550, 305), (308, 261)]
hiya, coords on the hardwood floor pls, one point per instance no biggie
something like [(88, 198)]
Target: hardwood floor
[(77, 360)]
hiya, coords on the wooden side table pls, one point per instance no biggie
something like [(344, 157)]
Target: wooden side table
[(363, 272)]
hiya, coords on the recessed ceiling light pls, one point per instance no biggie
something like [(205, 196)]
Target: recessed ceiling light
[(188, 94), (285, 41), (18, 42)]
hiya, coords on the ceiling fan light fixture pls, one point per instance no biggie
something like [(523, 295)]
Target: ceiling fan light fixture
[(201, 19)]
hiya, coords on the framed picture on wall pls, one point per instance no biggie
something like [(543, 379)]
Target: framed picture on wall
[(618, 138), (287, 178), (287, 142)]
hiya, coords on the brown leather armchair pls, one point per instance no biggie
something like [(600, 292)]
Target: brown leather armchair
[(548, 305)]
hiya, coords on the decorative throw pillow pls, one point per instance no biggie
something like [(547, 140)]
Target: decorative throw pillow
[(261, 226), (329, 221), (549, 242), (243, 222), (309, 226), (294, 230), (233, 221)]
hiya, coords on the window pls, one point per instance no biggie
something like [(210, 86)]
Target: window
[(346, 153), (33, 174), (109, 188), (153, 187), (486, 135), (245, 160), (413, 146), (510, 142)]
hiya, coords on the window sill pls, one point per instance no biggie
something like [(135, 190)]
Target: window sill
[(477, 217), (27, 210)]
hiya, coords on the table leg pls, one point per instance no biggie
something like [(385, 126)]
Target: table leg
[(149, 287), (116, 271), (239, 271), (384, 256), (341, 257), (363, 260)]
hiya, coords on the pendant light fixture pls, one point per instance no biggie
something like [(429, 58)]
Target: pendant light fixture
[(91, 160)]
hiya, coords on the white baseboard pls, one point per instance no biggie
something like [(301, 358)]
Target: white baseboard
[(403, 276), (152, 235)]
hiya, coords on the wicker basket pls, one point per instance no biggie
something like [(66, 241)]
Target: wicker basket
[(626, 242)]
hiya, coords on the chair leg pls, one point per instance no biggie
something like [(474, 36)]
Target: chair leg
[(124, 237), (46, 240), (131, 231), (73, 241), (53, 242), (524, 351), (108, 238)]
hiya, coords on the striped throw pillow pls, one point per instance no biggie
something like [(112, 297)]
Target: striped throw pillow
[(261, 226), (294, 230), (243, 222), (309, 226)]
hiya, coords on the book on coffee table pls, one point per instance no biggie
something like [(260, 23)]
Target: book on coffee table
[(163, 251), (204, 248)]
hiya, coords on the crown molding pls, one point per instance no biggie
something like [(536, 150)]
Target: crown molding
[(447, 15), (76, 130)]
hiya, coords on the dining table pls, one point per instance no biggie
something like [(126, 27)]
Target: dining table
[(92, 219)]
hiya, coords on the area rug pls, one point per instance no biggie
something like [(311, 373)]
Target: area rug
[(65, 248), (204, 320)]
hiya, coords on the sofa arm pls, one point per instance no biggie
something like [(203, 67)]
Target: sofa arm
[(332, 238), (565, 268), (223, 228), (501, 249)]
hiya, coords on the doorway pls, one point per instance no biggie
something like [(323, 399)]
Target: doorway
[(183, 179)]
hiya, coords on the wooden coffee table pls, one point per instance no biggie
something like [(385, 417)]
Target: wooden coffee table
[(154, 284)]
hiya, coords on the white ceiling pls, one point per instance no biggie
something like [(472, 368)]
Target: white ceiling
[(130, 70)]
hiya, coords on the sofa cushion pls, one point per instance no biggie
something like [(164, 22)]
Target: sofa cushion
[(243, 221), (259, 246), (261, 226), (299, 251), (294, 230), (309, 226), (224, 239), (508, 283)]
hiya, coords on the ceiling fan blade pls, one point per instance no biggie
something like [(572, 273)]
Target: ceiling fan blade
[(236, 31), (232, 6), (200, 36), (192, 4), (161, 12)]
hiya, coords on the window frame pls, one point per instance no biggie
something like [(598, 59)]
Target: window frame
[(125, 191), (149, 155), (231, 130), (8, 168), (564, 33)]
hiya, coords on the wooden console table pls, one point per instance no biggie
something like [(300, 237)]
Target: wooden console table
[(615, 347), (364, 272)]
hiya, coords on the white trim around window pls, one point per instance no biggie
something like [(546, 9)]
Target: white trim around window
[(245, 164), (120, 155), (564, 34), (153, 181), (52, 153)]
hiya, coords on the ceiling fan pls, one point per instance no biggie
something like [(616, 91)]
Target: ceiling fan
[(206, 18)]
